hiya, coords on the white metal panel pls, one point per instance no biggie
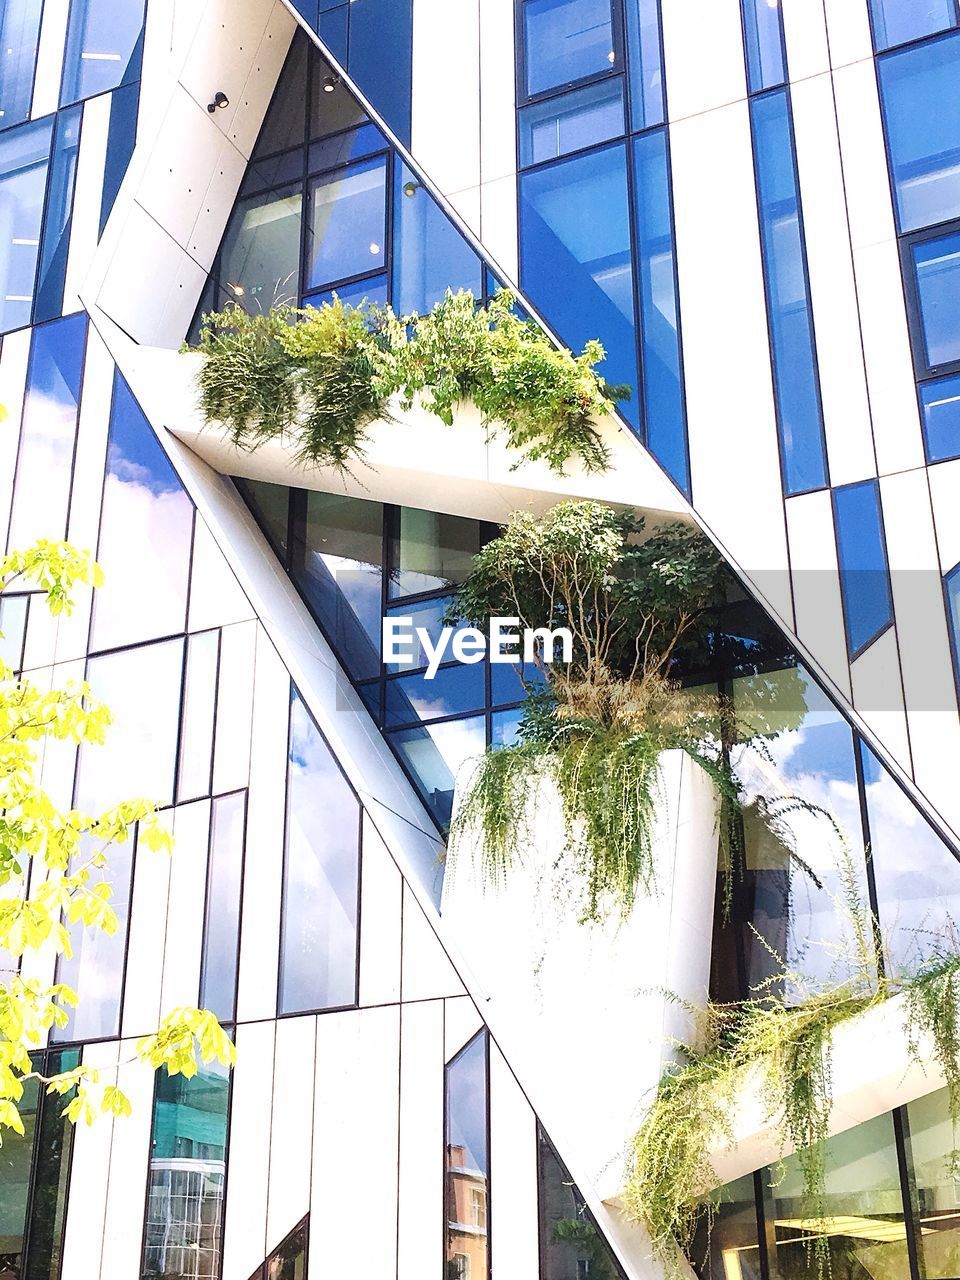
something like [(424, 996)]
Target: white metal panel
[(734, 457), (216, 598), (944, 487), (878, 695), (427, 972), (143, 977), (498, 223), (248, 1161), (498, 91), (87, 491), (467, 205), (420, 1238), (843, 386), (89, 1173), (816, 583), (188, 880), (461, 1022), (261, 81), (53, 34), (928, 678), (355, 1141), (263, 868), (445, 105), (381, 913), (222, 52), (805, 34), (886, 345), (14, 356), (864, 152), (129, 1160), (703, 55), (848, 26), (513, 1175), (87, 196), (291, 1128), (231, 759)]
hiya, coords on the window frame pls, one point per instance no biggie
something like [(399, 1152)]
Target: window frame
[(879, 50), (923, 372), (854, 653), (617, 68)]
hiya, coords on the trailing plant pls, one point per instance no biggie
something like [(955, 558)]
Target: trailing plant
[(319, 376)]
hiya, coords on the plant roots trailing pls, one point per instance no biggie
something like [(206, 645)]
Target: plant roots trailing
[(319, 377)]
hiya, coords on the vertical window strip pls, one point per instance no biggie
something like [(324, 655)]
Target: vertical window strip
[(58, 216), (221, 928), (121, 139), (862, 556), (789, 313), (19, 39), (466, 1218), (24, 167), (951, 591), (104, 47), (764, 44), (645, 64), (897, 22)]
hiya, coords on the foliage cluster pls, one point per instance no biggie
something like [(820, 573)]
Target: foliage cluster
[(319, 377), (62, 854)]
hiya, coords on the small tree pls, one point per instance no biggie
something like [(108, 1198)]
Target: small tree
[(54, 870)]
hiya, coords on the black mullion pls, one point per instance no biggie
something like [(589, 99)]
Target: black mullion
[(306, 202), (908, 1190), (635, 281), (872, 897), (763, 1244)]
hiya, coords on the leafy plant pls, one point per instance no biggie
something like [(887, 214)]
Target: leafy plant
[(320, 376), (69, 883)]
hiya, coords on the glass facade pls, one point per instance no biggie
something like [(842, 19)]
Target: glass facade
[(24, 161), (104, 47), (185, 1184), (763, 39), (221, 929), (897, 22), (864, 573), (19, 34), (467, 1169), (289, 1260), (567, 41), (571, 1246)]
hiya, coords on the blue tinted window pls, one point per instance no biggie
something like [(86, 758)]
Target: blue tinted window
[(318, 952), (467, 1189), (121, 138), (940, 402), (576, 120), (333, 106), (24, 158), (372, 289), (897, 21), (659, 324), (576, 261), (221, 930), (340, 149), (185, 1183), (260, 257), (646, 64), (864, 578), (19, 29), (333, 27), (952, 587), (921, 109), (509, 682), (58, 216), (381, 58), (452, 691), (566, 40), (788, 303), (429, 253), (937, 267), (435, 753), (104, 47), (763, 34), (348, 232), (48, 431)]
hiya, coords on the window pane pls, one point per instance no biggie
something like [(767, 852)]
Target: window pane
[(937, 266), (788, 304), (16, 1155), (13, 629), (48, 432), (578, 119), (50, 1177), (764, 41), (646, 66), (58, 216), (289, 1261), (285, 123), (142, 689), (146, 528), (571, 1245), (864, 578), (24, 157), (337, 559), (467, 1186), (373, 290), (864, 1207), (184, 1220), (259, 264), (566, 40), (121, 139), (348, 231), (19, 29), (731, 1248), (452, 691), (664, 416), (104, 47), (897, 21), (318, 956), (381, 58), (940, 402), (270, 506), (427, 615), (922, 113), (805, 749), (333, 107), (199, 708), (576, 262), (344, 147), (429, 253), (221, 930), (434, 755), (432, 551), (930, 1144)]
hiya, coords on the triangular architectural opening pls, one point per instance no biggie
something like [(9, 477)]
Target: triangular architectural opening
[(289, 1260)]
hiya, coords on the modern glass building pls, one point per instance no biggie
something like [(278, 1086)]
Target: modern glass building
[(755, 206)]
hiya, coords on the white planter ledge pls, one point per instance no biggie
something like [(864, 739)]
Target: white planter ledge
[(873, 1072), (413, 461)]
